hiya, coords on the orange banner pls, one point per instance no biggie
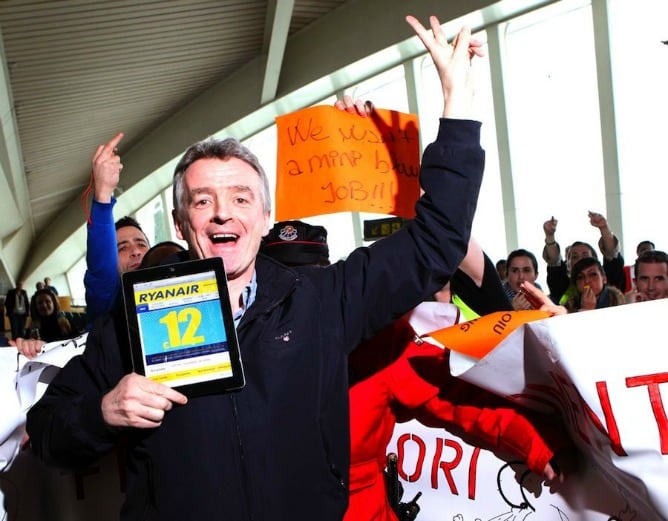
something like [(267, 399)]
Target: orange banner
[(332, 161), (478, 337)]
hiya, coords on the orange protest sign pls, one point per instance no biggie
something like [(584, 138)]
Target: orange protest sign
[(332, 161), (479, 336)]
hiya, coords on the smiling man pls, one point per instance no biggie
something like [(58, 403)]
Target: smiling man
[(278, 449), (222, 208), (651, 277)]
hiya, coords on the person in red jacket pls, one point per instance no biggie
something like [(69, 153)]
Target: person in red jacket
[(412, 380), (396, 376)]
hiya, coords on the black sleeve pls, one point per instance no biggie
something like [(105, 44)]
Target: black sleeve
[(614, 272), (487, 298), (557, 281), (66, 426)]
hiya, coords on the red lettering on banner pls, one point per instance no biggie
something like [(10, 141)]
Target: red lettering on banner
[(437, 463), (612, 431), (571, 410), (446, 466), (652, 382), (401, 442), (563, 397), (473, 471)]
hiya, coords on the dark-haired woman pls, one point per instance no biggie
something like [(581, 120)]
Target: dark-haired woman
[(50, 322), (593, 291)]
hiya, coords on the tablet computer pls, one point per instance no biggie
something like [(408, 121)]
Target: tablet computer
[(181, 327)]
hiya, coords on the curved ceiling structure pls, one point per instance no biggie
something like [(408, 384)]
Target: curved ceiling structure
[(167, 73)]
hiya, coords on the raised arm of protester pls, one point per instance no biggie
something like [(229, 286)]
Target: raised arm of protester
[(101, 279)]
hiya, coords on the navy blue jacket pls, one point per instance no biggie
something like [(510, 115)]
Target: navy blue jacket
[(279, 448)]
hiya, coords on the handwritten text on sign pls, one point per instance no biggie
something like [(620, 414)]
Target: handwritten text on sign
[(332, 161)]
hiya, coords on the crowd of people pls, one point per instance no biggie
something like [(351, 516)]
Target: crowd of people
[(581, 281), (315, 336), (37, 316)]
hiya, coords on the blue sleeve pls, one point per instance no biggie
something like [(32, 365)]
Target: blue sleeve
[(101, 281)]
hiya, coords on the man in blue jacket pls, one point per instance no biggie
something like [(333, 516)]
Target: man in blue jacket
[(112, 248), (278, 448)]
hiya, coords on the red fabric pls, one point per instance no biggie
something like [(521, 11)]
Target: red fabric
[(393, 378), (628, 277)]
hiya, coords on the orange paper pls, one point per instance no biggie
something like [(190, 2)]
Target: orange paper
[(478, 337), (332, 161)]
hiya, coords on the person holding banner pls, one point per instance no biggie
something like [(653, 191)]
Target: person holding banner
[(400, 375), (279, 447), (397, 376)]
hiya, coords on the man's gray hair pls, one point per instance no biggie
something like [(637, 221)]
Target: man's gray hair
[(213, 148)]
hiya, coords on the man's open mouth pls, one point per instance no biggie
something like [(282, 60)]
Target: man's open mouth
[(222, 238)]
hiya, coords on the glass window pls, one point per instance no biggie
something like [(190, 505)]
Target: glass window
[(386, 90), (75, 280), (151, 217), (555, 139), (640, 80)]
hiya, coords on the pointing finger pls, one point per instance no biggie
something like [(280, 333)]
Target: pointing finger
[(111, 145), (108, 147), (168, 393)]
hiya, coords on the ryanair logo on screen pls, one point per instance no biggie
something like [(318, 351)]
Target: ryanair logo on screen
[(176, 292)]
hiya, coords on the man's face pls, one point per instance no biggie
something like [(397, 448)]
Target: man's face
[(591, 277), (575, 253), (132, 245), (225, 213), (520, 269), (652, 280)]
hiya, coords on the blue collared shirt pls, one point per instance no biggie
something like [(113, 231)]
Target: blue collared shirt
[(247, 299)]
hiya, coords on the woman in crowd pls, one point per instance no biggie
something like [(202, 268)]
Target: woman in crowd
[(593, 291), (49, 324)]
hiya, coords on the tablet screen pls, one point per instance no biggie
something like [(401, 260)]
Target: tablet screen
[(181, 329)]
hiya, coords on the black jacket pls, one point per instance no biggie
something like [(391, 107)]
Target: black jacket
[(278, 448), (10, 301)]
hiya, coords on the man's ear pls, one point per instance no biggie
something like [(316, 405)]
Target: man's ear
[(177, 225), (267, 223)]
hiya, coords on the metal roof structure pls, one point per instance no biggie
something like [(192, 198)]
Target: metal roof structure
[(166, 73)]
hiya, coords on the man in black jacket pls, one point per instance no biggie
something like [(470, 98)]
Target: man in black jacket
[(17, 306), (278, 448)]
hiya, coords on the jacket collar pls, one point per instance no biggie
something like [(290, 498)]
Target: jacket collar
[(275, 282)]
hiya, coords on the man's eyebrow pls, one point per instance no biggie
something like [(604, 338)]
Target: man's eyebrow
[(133, 239), (236, 189), (200, 190), (242, 189)]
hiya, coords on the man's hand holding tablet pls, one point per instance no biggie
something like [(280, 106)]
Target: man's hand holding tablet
[(139, 402)]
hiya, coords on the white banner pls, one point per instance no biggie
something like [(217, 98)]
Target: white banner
[(603, 372)]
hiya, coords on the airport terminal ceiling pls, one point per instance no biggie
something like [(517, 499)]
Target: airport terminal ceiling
[(165, 73)]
